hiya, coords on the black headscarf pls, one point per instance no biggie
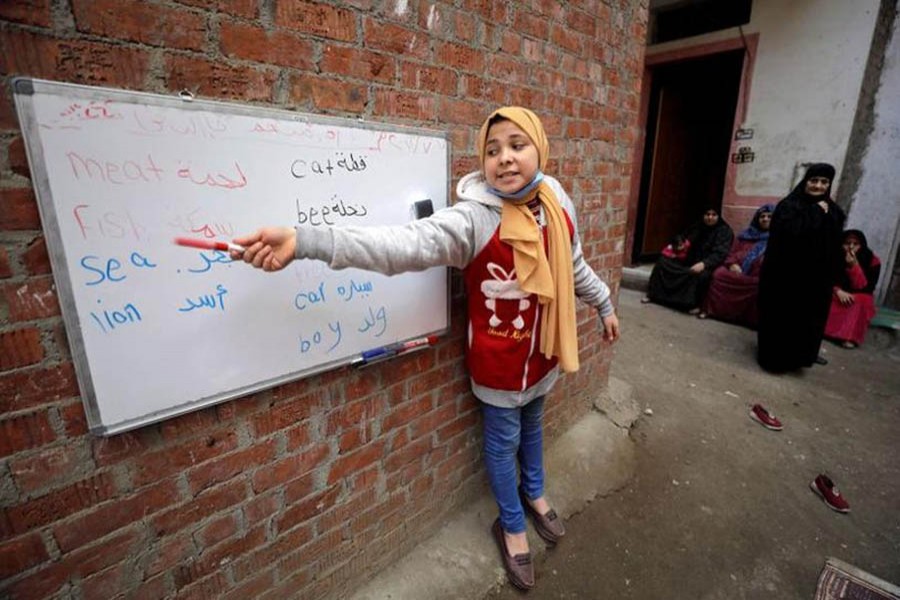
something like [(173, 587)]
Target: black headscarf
[(710, 243), (795, 285), (864, 255), (867, 261), (814, 170)]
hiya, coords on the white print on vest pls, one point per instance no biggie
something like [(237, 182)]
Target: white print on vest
[(505, 299)]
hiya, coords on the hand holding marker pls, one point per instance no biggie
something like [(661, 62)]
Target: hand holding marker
[(209, 244)]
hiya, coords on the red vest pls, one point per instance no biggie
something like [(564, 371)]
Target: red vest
[(504, 321)]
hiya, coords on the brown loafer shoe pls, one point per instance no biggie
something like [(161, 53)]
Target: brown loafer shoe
[(519, 569), (549, 526)]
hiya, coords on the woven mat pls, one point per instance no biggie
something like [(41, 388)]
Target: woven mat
[(840, 581)]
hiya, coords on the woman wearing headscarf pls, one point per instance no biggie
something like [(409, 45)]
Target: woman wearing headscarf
[(734, 289), (683, 285), (852, 304), (798, 272)]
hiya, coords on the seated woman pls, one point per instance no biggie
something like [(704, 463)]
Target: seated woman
[(682, 285), (734, 287), (852, 304)]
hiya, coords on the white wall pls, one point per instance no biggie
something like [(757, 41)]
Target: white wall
[(805, 87), (875, 209)]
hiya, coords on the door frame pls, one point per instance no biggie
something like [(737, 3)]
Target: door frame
[(730, 197)]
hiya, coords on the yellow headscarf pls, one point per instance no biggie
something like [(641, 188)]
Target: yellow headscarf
[(551, 280)]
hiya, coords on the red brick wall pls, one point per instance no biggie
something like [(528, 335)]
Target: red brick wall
[(306, 489)]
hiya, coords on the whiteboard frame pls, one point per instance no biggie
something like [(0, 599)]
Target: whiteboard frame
[(24, 89)]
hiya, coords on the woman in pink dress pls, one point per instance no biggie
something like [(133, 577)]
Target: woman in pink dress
[(852, 304), (732, 294)]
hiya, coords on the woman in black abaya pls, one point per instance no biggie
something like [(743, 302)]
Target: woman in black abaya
[(798, 273), (683, 285)]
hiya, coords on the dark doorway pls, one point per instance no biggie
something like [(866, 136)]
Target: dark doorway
[(689, 125)]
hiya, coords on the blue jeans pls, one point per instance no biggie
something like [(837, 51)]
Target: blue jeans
[(511, 433)]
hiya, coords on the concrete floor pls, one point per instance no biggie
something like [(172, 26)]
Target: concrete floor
[(719, 507)]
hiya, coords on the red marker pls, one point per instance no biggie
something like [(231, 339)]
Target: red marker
[(412, 344), (208, 244)]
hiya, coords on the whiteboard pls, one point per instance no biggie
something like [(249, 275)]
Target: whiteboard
[(156, 329)]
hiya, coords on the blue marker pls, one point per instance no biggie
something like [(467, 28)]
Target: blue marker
[(383, 352)]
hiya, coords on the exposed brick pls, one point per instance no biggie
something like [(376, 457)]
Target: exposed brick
[(330, 94), (74, 419), (240, 8), (287, 413), (395, 39), (508, 70), (488, 10), (298, 437), (212, 559), (21, 553), (137, 21), (409, 453), (47, 468), (153, 588), (358, 64), (432, 380), (199, 585), (352, 414), (402, 415), (317, 19), (206, 503), (441, 81), (61, 503), (245, 42), (18, 160), (172, 460), (42, 584), (299, 488), (566, 39), (106, 584), (457, 56), (262, 558), (20, 347), (463, 112), (217, 531), (34, 299), (35, 258), (532, 25), (466, 422), (213, 79), (260, 508), (252, 588), (355, 461), (340, 515), (29, 388), (168, 552), (306, 509), (5, 267), (464, 26), (115, 515), (199, 422), (429, 423), (403, 104), (23, 432), (229, 466), (35, 55), (289, 468), (31, 12), (18, 209)]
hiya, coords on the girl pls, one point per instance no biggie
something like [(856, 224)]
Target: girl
[(513, 235), (852, 304), (798, 272)]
